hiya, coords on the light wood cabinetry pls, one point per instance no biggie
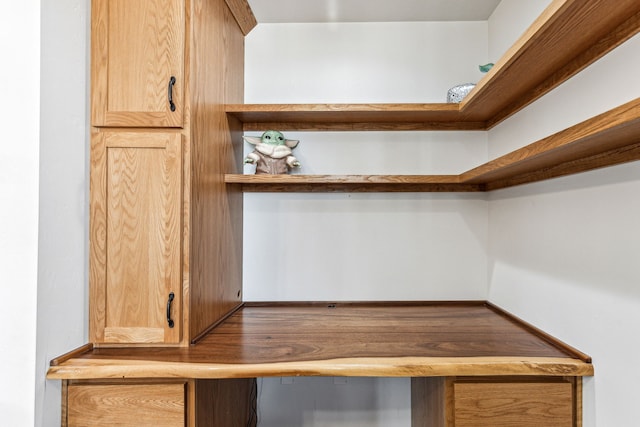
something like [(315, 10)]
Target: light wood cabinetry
[(137, 57), (155, 404), (496, 402), (506, 404), (136, 269), (165, 231), (159, 403)]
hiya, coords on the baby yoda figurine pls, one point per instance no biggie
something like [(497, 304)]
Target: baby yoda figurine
[(272, 154)]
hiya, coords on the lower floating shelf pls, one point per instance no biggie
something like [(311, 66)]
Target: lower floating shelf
[(400, 339), (353, 183)]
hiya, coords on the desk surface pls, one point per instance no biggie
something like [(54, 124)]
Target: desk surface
[(404, 339)]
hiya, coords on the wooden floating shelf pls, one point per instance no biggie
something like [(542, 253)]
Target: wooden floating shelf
[(567, 37), (604, 140), (401, 339), (352, 117), (351, 183)]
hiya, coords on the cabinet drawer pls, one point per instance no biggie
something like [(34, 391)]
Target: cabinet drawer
[(158, 405), (513, 404)]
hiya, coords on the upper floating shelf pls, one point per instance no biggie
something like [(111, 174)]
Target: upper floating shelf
[(568, 36), (355, 117)]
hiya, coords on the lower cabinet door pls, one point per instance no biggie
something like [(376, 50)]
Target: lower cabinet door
[(513, 404), (496, 401), (135, 405), (136, 237)]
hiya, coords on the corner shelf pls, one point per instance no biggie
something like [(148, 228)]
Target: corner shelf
[(607, 139), (604, 140), (566, 38)]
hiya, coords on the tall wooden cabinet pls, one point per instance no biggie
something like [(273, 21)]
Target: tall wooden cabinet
[(165, 231)]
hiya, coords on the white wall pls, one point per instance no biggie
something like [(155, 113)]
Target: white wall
[(362, 62), (363, 246), (42, 188), (334, 402), (19, 118), (509, 21), (565, 253), (366, 246), (62, 322)]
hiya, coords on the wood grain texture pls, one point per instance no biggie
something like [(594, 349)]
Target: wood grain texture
[(140, 367), (428, 402), (243, 15), (64, 403), (428, 339), (136, 48), (136, 223), (513, 404), (610, 41), (210, 213), (568, 36), (607, 139), (603, 140), (578, 401), (215, 210), (124, 404), (71, 354), (226, 403), (611, 157), (351, 117), (97, 237), (505, 401), (350, 183)]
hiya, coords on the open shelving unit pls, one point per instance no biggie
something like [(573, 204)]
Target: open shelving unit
[(566, 38), (608, 139), (411, 339)]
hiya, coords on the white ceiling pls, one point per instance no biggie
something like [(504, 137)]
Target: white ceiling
[(371, 10)]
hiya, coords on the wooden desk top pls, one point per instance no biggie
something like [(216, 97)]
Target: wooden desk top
[(403, 339)]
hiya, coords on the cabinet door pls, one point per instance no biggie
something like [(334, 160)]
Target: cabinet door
[(135, 237), (137, 48), (496, 401), (520, 404), (135, 405)]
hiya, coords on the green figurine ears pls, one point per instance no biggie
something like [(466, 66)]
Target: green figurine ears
[(486, 67), (271, 137)]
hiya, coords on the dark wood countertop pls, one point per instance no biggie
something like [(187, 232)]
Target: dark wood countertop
[(345, 339)]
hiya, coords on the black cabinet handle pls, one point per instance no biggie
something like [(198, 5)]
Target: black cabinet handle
[(169, 320), (172, 81)]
